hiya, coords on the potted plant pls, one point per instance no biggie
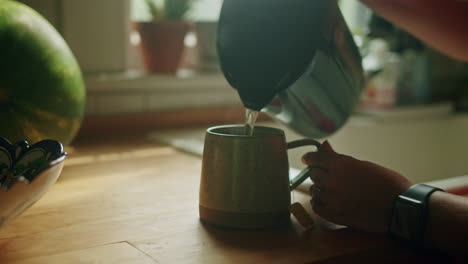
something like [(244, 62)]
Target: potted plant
[(162, 38)]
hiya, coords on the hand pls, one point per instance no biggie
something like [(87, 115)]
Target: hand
[(351, 192)]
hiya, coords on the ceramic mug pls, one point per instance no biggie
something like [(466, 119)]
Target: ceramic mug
[(245, 179)]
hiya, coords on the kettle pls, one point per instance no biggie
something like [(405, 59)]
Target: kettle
[(293, 59)]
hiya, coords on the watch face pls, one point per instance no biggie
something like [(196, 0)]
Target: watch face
[(406, 218)]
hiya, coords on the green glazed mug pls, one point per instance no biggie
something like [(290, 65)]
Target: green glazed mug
[(245, 179)]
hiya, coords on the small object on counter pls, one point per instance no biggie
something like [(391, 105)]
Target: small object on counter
[(382, 71), (414, 80), (301, 215)]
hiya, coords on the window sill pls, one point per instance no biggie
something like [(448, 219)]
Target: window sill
[(138, 93)]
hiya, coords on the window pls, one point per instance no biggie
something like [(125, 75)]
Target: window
[(203, 10), (98, 32)]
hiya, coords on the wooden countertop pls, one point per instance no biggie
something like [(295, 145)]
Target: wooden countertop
[(132, 201)]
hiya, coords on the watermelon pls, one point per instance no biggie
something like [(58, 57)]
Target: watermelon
[(42, 93)]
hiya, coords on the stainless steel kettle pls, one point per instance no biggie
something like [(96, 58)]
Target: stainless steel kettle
[(295, 59)]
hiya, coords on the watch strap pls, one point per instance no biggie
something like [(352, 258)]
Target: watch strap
[(409, 213), (421, 192)]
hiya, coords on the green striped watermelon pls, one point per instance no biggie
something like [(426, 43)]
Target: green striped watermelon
[(42, 94)]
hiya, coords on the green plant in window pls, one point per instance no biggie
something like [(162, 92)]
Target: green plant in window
[(154, 9), (169, 9)]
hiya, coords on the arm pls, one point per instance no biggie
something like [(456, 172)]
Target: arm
[(360, 194), (441, 24), (448, 223)]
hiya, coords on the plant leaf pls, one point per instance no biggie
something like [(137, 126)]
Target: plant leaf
[(176, 9)]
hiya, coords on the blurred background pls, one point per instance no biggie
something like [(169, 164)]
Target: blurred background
[(109, 39), (411, 117)]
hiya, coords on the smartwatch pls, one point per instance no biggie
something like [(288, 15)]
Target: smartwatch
[(409, 214)]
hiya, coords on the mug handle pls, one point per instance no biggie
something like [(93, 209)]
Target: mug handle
[(305, 173)]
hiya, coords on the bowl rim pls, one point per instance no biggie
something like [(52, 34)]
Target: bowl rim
[(17, 166)]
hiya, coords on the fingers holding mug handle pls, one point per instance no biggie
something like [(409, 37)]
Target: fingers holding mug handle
[(304, 142), (305, 173)]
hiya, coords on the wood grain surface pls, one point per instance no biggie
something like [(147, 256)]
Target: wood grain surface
[(130, 201)]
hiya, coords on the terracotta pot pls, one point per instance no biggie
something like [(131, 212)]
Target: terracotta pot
[(162, 44)]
